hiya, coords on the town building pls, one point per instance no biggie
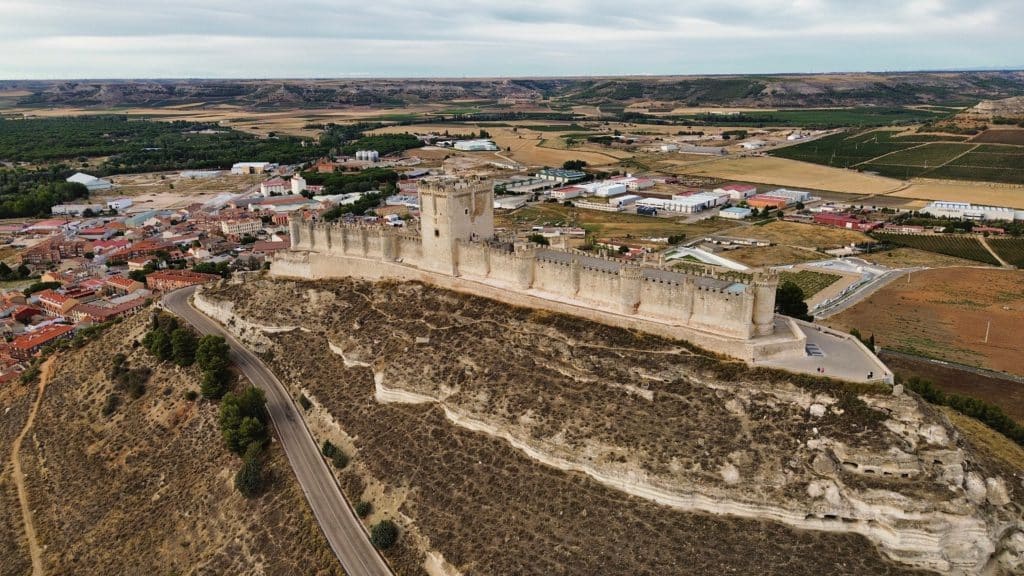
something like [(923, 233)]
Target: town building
[(561, 175), (54, 303), (298, 184), (735, 213), (93, 183), (968, 211), (118, 284), (120, 204), (768, 201), (53, 251), (241, 227), (476, 146), (27, 345), (738, 191), (168, 280), (274, 186), (252, 167), (76, 209)]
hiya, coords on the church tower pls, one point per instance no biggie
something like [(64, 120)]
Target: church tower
[(453, 210)]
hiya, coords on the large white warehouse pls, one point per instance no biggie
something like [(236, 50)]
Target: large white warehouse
[(476, 146), (968, 211)]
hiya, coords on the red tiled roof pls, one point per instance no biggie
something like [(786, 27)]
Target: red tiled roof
[(54, 297), (41, 336), (181, 275), (121, 281)]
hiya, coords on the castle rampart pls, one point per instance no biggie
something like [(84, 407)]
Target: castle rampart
[(456, 248)]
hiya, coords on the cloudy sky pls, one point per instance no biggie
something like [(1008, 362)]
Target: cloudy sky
[(453, 38)]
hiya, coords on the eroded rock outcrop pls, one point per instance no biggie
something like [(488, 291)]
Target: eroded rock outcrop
[(674, 426)]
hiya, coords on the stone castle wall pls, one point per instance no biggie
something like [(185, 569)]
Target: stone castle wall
[(658, 300)]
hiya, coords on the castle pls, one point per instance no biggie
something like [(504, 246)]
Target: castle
[(456, 248)]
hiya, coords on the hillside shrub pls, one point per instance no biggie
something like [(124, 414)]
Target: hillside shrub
[(384, 534)]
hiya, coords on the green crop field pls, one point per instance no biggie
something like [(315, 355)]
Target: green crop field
[(809, 281), (925, 155), (967, 247), (820, 118), (1009, 249), (909, 156)]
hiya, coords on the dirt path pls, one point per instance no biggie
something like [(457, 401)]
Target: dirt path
[(35, 550), (984, 242)]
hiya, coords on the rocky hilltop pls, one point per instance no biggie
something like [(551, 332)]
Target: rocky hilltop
[(1005, 108), (507, 440)]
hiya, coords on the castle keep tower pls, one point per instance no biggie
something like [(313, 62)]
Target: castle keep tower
[(451, 211)]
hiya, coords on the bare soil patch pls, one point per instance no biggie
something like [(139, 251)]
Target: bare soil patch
[(1003, 392), (791, 173), (1001, 136), (797, 234), (942, 313)]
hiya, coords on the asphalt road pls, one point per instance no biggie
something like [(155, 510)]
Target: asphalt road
[(339, 523)]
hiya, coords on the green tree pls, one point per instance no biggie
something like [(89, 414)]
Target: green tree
[(214, 384), (384, 534), (539, 240), (212, 353), (574, 164), (242, 419), (789, 301), (160, 345), (183, 346), (249, 478), (363, 508)]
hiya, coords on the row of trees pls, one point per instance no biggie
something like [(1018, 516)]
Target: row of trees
[(242, 417), (989, 414), (38, 199), (357, 208)]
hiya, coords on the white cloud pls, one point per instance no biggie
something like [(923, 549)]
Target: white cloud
[(259, 38)]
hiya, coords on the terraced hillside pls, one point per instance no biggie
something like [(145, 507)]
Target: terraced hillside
[(511, 441)]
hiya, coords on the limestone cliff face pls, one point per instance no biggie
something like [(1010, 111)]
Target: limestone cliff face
[(667, 424)]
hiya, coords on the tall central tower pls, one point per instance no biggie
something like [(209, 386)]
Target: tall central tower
[(453, 210)]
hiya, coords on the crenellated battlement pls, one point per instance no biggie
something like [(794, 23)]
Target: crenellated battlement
[(456, 239)]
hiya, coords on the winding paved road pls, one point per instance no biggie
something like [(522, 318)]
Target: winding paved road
[(339, 523)]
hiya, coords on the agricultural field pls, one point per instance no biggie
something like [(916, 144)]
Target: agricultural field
[(809, 281), (1001, 136), (774, 255), (888, 153), (966, 247), (820, 118), (790, 173), (988, 193), (903, 257), (1009, 249), (942, 313), (533, 148)]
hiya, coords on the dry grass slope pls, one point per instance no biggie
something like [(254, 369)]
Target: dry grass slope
[(148, 490), (486, 506)]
